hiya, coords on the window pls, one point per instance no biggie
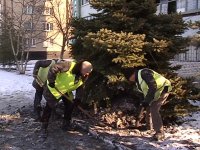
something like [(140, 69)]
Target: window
[(0, 9), (33, 43), (48, 11), (187, 5), (84, 2), (28, 10), (198, 4), (171, 7), (163, 8), (47, 26), (30, 42), (191, 5), (157, 1), (181, 6), (75, 2), (28, 26), (48, 43)]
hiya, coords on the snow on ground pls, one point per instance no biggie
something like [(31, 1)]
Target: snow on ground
[(183, 137), (12, 82), (16, 91)]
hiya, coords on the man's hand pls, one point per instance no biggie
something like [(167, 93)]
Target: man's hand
[(145, 104), (52, 85)]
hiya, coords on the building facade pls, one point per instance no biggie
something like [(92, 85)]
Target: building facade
[(43, 36), (190, 9)]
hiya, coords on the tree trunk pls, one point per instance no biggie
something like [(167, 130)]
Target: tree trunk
[(63, 48), (62, 52)]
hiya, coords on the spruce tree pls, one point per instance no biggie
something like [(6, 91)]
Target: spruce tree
[(124, 34)]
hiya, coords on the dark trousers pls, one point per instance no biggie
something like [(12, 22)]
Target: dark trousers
[(153, 117), (69, 107), (51, 105), (38, 97)]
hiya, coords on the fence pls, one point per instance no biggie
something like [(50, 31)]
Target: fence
[(192, 55)]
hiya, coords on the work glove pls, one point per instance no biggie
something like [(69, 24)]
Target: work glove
[(52, 85), (145, 104)]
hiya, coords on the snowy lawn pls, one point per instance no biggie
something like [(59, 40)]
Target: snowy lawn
[(15, 91)]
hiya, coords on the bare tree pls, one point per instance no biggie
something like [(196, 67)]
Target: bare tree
[(23, 19), (62, 16)]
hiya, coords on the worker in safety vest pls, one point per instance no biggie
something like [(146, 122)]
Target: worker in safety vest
[(155, 89), (40, 73), (65, 77)]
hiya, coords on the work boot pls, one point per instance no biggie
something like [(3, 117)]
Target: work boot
[(66, 126), (44, 131), (159, 136)]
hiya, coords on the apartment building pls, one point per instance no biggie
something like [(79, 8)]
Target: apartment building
[(42, 35), (82, 9), (190, 9)]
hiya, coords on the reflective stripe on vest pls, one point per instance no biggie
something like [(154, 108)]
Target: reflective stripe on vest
[(161, 82), (65, 83), (43, 72)]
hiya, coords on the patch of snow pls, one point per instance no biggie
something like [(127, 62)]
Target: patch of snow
[(11, 82), (15, 91)]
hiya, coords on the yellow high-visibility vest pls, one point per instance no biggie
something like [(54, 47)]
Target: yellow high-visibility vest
[(43, 72), (65, 83), (161, 82)]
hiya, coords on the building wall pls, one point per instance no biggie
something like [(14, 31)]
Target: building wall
[(190, 9), (48, 43), (186, 7), (86, 10), (82, 8)]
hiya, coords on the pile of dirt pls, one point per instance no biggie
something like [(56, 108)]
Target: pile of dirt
[(121, 115)]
